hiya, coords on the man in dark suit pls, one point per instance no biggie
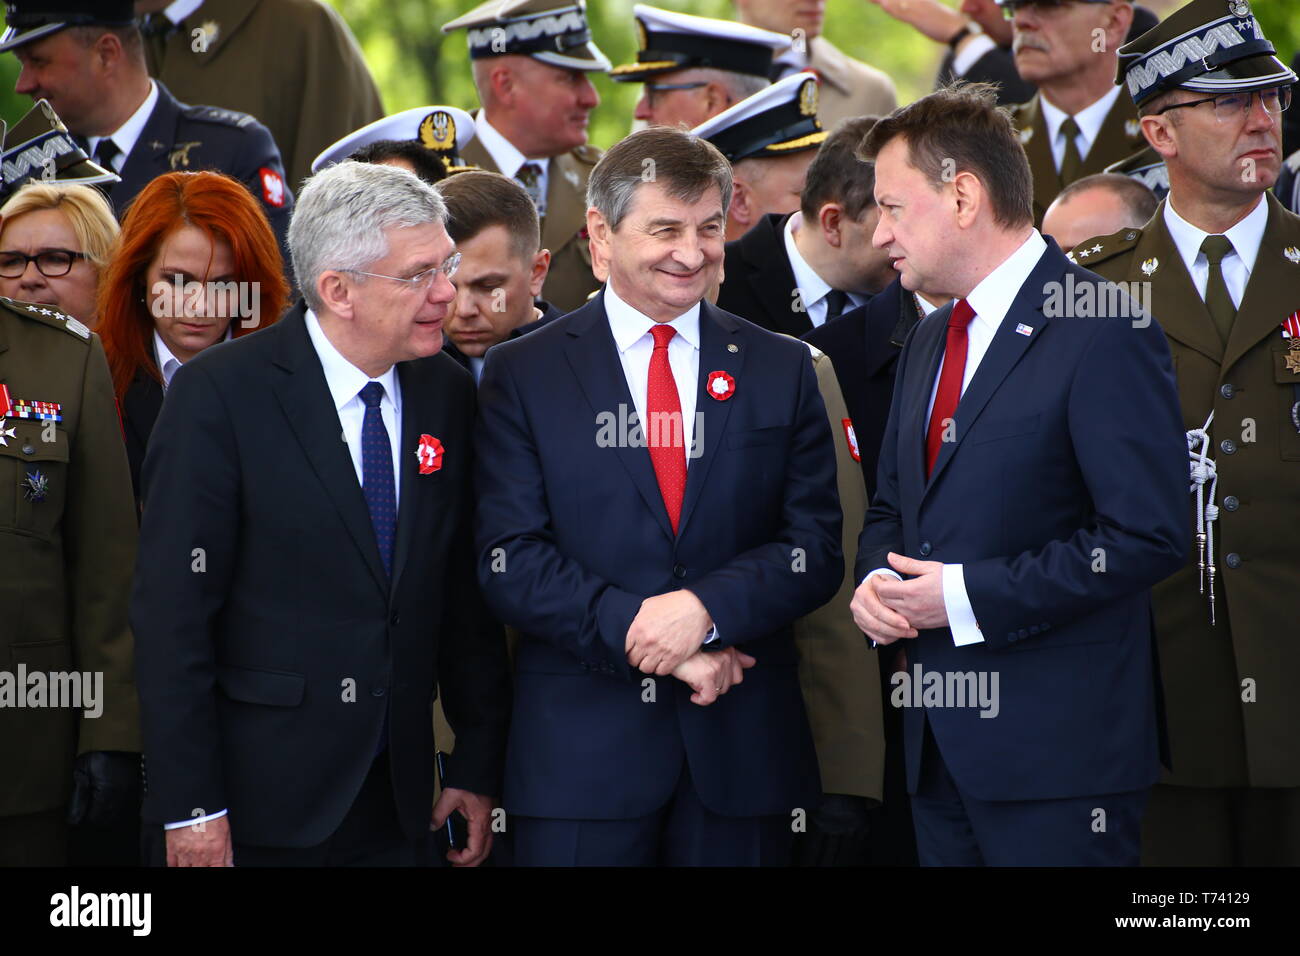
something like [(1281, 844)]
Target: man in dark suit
[(647, 568), (306, 573), (1031, 488), (88, 60), (794, 272)]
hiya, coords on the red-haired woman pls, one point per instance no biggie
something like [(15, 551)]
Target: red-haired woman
[(196, 263)]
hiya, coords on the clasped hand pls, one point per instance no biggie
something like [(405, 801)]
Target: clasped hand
[(665, 638), (887, 610)]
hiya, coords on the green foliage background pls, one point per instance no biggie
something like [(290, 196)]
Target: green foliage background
[(416, 64)]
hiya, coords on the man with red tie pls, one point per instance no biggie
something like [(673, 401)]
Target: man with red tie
[(1031, 491), (657, 505)]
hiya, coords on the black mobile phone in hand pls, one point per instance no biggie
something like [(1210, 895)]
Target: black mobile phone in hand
[(455, 830)]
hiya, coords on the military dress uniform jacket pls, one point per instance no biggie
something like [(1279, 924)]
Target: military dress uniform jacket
[(564, 227), (1120, 137), (67, 547), (1216, 738), (181, 138), (848, 87), (293, 64)]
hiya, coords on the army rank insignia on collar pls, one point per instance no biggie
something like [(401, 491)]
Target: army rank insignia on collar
[(1150, 266), (1293, 254)]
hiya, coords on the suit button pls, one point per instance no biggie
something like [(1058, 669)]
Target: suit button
[(1231, 503), (28, 450), (926, 549), (1023, 634), (1228, 445), (1233, 560), (377, 692), (679, 571), (395, 620), (1011, 636), (1044, 626), (1226, 390), (1033, 629)]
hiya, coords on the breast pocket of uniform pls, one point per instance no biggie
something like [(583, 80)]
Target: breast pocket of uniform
[(1286, 372), (33, 477)]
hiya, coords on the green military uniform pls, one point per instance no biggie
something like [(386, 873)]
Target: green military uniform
[(1120, 136), (564, 227), (838, 671), (1232, 795), (292, 64), (67, 546)]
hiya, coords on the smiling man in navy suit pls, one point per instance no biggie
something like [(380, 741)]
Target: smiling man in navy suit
[(1031, 489), (651, 570)]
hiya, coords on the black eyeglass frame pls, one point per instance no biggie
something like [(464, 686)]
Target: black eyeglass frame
[(14, 256)]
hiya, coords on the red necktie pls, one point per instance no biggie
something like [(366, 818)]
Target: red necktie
[(663, 427), (949, 393)]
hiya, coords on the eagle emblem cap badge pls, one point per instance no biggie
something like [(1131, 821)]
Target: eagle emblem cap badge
[(808, 97)]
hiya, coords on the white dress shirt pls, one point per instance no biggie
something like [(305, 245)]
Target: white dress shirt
[(507, 156), (168, 363), (1237, 265), (970, 53), (1090, 120), (178, 10), (125, 136), (345, 382), (812, 287), (991, 300), (635, 346)]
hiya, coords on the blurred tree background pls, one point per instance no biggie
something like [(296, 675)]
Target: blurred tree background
[(415, 64)]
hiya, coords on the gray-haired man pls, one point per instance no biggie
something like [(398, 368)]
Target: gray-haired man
[(305, 575)]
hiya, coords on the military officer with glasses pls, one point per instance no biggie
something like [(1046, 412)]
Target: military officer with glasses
[(1078, 123), (693, 68), (1219, 264)]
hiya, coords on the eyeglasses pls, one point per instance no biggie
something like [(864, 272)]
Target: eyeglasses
[(421, 280), (1010, 8), (50, 263), (1231, 106), (652, 90)]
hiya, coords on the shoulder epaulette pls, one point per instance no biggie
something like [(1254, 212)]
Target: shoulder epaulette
[(48, 316), (216, 114), (1097, 250)]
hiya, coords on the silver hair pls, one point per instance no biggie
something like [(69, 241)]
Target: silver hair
[(739, 86), (341, 214)]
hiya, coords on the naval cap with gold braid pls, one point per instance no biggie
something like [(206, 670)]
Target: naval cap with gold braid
[(1209, 46), (777, 121), (444, 130), (670, 41), (551, 31)]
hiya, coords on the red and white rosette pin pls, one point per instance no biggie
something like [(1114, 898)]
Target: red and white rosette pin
[(429, 452), (720, 386), (852, 437)]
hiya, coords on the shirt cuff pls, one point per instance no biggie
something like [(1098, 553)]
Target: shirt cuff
[(974, 48), (890, 571), (712, 636), (196, 820), (961, 616)]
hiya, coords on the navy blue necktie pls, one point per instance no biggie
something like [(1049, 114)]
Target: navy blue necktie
[(377, 474)]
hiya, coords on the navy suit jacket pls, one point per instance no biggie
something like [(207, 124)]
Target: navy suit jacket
[(573, 536), (265, 680), (1064, 497)]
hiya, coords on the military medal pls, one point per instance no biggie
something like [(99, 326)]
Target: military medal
[(429, 453), (6, 433), (721, 386), (1291, 332), (11, 407), (35, 487)]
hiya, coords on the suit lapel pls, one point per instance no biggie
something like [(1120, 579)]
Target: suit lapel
[(308, 407), (1119, 137), (717, 331), (141, 404), (1006, 349), (1273, 291), (228, 17), (1177, 306), (596, 365), (148, 157), (414, 489), (1038, 150), (475, 155), (928, 345), (566, 206), (771, 276)]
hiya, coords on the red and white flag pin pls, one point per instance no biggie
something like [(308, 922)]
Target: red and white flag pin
[(721, 386), (429, 452), (852, 436)]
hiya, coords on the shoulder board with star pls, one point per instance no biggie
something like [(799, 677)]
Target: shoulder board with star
[(48, 316), (215, 114), (1097, 250), (586, 153)]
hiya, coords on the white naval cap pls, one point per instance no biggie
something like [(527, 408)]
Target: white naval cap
[(444, 130)]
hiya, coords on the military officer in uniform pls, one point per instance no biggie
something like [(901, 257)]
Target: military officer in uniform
[(770, 139), (67, 544), (439, 132), (293, 64), (693, 68), (1078, 123), (87, 58), (1221, 261), (531, 59)]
